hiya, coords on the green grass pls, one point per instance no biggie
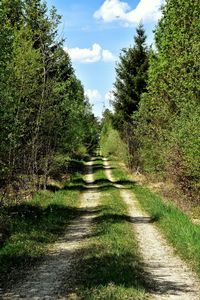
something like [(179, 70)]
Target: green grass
[(110, 267), (175, 225), (98, 171), (34, 225)]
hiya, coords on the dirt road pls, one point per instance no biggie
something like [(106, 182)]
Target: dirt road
[(167, 276)]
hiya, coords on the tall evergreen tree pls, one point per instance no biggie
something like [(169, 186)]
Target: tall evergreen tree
[(131, 78)]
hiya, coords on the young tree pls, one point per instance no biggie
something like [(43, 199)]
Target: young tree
[(168, 114), (6, 40), (43, 111)]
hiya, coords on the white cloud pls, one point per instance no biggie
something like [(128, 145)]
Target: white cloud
[(90, 55), (110, 96), (146, 10), (107, 56), (99, 101), (111, 10), (93, 96)]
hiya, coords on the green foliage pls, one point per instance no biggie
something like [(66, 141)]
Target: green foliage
[(161, 128), (131, 79), (131, 82), (43, 107), (168, 119), (110, 142)]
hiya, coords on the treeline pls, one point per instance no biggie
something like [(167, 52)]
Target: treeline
[(157, 98), (43, 110)]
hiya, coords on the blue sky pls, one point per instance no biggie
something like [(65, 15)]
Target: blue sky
[(95, 31)]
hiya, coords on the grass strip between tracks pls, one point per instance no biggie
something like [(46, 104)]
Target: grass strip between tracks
[(110, 267)]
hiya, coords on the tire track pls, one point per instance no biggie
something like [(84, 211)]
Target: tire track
[(48, 279), (167, 275)]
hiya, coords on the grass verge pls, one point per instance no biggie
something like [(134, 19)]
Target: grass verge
[(176, 225), (110, 267), (33, 225)]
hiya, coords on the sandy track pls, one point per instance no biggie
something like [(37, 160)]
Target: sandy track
[(167, 275), (48, 279)]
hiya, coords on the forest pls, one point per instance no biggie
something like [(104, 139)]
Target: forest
[(157, 101), (96, 208), (44, 112)]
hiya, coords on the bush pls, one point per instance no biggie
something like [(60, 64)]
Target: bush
[(112, 145)]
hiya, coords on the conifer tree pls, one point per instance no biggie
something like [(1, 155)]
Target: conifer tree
[(131, 79)]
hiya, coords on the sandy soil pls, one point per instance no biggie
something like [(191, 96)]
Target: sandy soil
[(167, 275)]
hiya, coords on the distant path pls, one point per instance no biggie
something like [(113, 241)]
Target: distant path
[(47, 280), (168, 276)]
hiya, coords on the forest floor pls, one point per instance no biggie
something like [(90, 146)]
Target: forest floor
[(111, 250)]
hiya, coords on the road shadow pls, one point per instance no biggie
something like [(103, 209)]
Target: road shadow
[(99, 184), (96, 268), (29, 228), (116, 218), (160, 285), (94, 271)]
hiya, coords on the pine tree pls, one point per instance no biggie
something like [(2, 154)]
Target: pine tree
[(131, 79)]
